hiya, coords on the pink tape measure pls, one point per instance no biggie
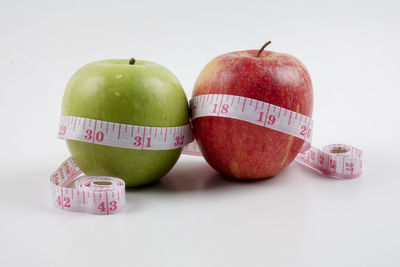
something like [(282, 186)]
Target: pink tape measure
[(124, 135), (337, 160), (106, 195), (88, 194)]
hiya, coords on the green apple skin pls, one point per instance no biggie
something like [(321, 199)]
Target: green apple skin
[(144, 94)]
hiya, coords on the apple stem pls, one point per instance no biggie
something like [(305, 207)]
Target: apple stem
[(262, 48), (132, 61)]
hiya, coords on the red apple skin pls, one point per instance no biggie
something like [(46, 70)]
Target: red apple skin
[(240, 149)]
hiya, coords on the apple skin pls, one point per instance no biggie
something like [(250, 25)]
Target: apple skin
[(144, 94), (240, 149)]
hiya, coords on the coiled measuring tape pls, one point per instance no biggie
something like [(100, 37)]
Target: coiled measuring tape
[(88, 194), (106, 195)]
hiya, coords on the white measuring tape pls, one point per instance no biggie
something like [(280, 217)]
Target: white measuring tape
[(339, 161), (107, 194), (124, 135), (89, 194)]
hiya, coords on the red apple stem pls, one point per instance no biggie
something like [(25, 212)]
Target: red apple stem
[(132, 61), (262, 48)]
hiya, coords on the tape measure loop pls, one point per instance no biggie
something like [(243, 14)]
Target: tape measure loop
[(124, 135), (100, 195)]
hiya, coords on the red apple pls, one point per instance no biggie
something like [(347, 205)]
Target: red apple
[(231, 146)]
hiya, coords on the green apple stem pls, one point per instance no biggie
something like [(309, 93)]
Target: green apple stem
[(262, 48), (132, 61), (337, 151)]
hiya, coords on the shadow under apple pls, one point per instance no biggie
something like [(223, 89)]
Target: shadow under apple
[(196, 176)]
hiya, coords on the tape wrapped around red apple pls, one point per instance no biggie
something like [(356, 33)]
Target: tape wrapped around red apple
[(240, 149)]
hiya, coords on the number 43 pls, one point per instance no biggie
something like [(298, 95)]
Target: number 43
[(111, 206)]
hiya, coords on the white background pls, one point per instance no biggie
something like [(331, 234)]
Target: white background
[(193, 217)]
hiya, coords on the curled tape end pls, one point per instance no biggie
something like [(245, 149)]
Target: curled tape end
[(336, 160), (99, 195)]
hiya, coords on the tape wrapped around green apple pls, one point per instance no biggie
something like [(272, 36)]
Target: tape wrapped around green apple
[(125, 91)]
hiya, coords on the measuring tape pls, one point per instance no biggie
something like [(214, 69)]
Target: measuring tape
[(88, 194), (106, 195), (337, 160), (124, 135)]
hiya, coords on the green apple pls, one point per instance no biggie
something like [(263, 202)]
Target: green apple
[(134, 92)]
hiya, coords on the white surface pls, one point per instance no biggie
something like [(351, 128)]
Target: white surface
[(193, 217)]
